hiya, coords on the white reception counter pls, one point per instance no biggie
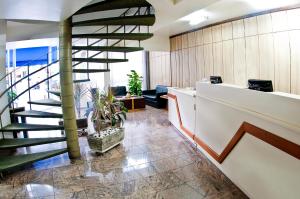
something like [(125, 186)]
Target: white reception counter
[(252, 137)]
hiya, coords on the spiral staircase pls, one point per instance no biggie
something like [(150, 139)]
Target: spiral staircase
[(116, 34)]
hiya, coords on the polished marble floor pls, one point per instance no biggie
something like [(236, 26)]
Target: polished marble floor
[(154, 161)]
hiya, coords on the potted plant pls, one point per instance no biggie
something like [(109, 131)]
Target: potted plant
[(11, 96), (135, 83), (108, 117)]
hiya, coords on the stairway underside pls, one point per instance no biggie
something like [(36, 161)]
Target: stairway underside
[(90, 70), (25, 142), (30, 127), (10, 162), (38, 114), (108, 48), (97, 60), (142, 20), (112, 5), (126, 36)]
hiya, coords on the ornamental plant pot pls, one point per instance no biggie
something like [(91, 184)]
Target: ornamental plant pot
[(106, 139)]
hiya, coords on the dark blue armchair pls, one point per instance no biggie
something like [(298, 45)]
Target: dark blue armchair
[(152, 97)]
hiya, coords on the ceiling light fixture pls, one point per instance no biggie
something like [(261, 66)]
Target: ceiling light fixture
[(195, 18)]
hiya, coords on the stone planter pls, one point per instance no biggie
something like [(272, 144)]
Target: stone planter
[(106, 139)]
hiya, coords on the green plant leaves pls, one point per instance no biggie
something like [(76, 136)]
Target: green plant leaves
[(135, 83)]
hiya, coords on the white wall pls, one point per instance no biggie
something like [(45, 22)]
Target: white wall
[(3, 100), (119, 71)]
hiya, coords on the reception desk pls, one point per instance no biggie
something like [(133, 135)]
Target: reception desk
[(252, 137)]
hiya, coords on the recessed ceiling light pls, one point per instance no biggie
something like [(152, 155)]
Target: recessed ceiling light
[(195, 18)]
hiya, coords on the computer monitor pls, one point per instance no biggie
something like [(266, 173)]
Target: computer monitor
[(260, 85), (216, 80)]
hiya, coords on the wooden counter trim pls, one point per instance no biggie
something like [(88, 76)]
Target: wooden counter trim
[(285, 145)]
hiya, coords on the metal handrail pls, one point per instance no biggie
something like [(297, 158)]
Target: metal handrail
[(23, 92)]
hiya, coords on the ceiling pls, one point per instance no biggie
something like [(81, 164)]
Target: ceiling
[(41, 10), (169, 13), (39, 18), (29, 19)]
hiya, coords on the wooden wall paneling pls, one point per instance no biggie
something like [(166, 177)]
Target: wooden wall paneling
[(293, 17), (282, 62), (157, 70), (264, 23), (167, 69), (252, 57), (217, 33), (279, 21), (266, 58), (228, 61), (191, 39), (178, 43), (185, 41), (240, 70), (208, 60), (227, 31), (150, 70), (168, 66), (200, 63), (173, 68), (238, 29), (207, 36), (295, 61), (152, 73), (185, 67), (218, 67), (180, 68), (264, 47), (177, 56), (173, 44), (199, 37), (192, 66), (250, 26), (163, 77)]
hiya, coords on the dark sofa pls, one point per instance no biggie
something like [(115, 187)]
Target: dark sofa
[(152, 97), (119, 91)]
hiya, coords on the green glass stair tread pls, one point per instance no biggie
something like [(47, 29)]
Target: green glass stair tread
[(46, 102), (81, 80), (10, 162), (107, 48), (90, 70), (99, 60), (112, 5), (30, 127), (143, 20), (38, 114), (57, 93), (126, 36), (25, 142)]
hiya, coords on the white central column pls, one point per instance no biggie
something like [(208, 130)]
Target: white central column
[(4, 99)]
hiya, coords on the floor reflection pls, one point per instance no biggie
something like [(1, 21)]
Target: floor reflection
[(154, 161)]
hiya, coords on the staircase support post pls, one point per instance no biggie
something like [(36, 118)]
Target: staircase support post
[(66, 83)]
